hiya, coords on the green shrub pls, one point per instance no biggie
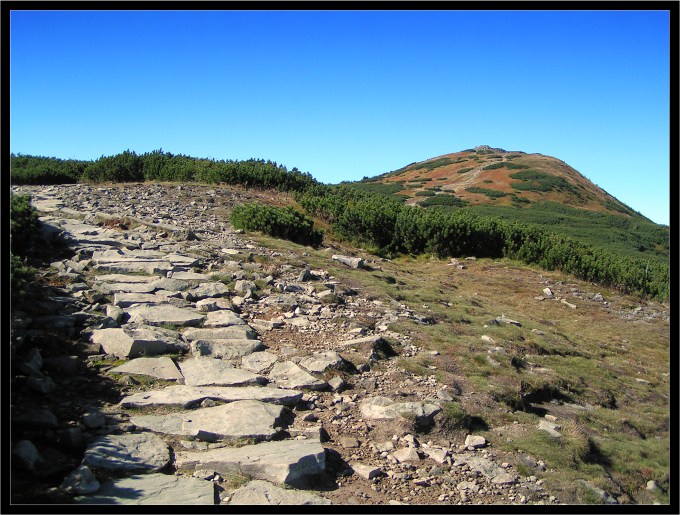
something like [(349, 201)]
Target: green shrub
[(532, 180), (443, 200), (455, 417), (464, 170), (23, 224), (286, 223), (425, 193), (487, 192), (44, 170)]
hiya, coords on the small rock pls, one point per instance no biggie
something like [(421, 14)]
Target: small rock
[(365, 471), (80, 482), (475, 441)]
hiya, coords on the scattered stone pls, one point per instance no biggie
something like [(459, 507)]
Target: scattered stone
[(506, 320), (94, 419), (319, 362), (290, 375), (379, 408), (336, 383), (41, 418), (548, 293), (475, 441), (349, 442), (366, 471), (353, 262), (406, 454), (567, 303), (550, 428), (259, 492), (214, 304), (80, 482), (27, 456)]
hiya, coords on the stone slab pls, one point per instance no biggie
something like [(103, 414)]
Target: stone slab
[(240, 419), (215, 372), (123, 278), (153, 489), (165, 314), (284, 461), (129, 452), (243, 332), (161, 368), (258, 361), (130, 342), (258, 492), (186, 396), (223, 318), (225, 349)]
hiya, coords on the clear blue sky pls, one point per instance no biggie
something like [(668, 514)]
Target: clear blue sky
[(344, 94)]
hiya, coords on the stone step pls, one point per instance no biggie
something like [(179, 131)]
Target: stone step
[(258, 492), (187, 396), (228, 348), (216, 372), (130, 342), (153, 489), (164, 314), (127, 453), (161, 368), (291, 462), (240, 419)]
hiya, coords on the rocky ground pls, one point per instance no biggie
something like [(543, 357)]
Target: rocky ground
[(172, 360)]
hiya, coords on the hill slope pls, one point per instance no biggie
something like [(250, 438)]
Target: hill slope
[(529, 188)]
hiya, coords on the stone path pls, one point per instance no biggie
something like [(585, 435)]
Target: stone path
[(235, 368)]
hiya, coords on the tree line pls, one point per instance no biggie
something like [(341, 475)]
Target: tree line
[(385, 224)]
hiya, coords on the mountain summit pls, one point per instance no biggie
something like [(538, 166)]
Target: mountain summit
[(487, 175)]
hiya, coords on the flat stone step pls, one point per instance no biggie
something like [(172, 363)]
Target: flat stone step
[(240, 419), (123, 278), (164, 314), (216, 372), (186, 396), (141, 287), (287, 461), (223, 318), (161, 368), (153, 489), (258, 492), (130, 342), (229, 348), (192, 277), (243, 332), (258, 361), (129, 453)]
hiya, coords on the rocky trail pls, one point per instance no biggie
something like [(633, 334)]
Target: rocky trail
[(173, 361)]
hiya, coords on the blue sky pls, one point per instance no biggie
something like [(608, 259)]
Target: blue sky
[(348, 94)]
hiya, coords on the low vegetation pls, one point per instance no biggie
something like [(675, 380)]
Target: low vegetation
[(22, 230), (283, 222), (383, 222)]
